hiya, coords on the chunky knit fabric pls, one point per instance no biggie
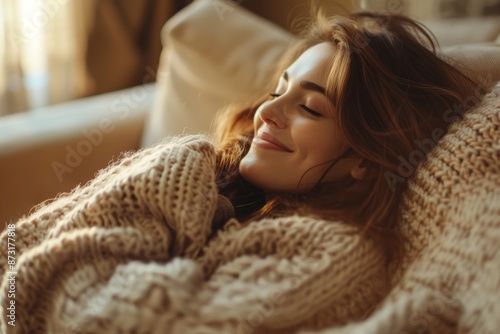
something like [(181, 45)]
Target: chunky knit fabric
[(130, 252)]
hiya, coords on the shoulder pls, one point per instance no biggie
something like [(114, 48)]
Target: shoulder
[(193, 145), (198, 141)]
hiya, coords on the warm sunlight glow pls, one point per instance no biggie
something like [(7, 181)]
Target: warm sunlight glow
[(33, 21), (42, 52)]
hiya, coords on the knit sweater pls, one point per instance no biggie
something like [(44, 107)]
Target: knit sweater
[(132, 252), (129, 253)]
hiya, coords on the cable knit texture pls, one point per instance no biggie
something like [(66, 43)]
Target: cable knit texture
[(131, 252)]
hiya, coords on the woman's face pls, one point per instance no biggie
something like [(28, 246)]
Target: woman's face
[(295, 135)]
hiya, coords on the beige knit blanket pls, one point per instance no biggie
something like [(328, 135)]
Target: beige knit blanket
[(130, 252)]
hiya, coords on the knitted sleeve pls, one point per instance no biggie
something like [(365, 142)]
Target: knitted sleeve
[(148, 206), (128, 253), (292, 272), (272, 276)]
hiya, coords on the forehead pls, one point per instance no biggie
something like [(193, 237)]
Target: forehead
[(314, 64)]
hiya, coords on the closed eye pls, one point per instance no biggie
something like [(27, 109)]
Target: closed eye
[(310, 111), (302, 106)]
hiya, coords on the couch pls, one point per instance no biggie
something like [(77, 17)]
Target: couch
[(53, 149)]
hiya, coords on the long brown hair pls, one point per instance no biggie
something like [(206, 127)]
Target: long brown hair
[(390, 92)]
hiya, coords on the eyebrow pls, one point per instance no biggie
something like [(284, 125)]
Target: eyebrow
[(307, 85)]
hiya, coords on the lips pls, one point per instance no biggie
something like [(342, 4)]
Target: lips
[(266, 140)]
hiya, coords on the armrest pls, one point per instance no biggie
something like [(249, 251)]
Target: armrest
[(53, 149)]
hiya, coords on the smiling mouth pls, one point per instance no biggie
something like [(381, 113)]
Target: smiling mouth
[(266, 141)]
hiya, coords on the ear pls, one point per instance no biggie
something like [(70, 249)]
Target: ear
[(358, 172)]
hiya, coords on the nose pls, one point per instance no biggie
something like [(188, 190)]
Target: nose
[(273, 116)]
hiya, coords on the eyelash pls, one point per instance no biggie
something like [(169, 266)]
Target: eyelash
[(303, 107)]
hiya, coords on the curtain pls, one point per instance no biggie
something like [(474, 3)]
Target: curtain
[(42, 48), (12, 93), (124, 44)]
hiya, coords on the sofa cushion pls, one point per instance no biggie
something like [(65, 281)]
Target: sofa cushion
[(469, 30), (216, 52), (481, 61)]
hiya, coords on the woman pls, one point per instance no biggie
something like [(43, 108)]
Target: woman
[(353, 99), (306, 170)]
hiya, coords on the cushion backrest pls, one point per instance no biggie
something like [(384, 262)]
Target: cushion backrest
[(214, 53)]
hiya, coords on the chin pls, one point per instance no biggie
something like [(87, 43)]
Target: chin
[(251, 176)]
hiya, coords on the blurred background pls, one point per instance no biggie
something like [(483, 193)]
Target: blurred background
[(57, 50), (53, 51)]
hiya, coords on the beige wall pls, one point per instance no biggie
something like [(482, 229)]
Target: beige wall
[(420, 10), (286, 12)]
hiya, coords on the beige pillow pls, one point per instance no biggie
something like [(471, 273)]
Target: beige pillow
[(216, 52), (469, 30), (479, 60)]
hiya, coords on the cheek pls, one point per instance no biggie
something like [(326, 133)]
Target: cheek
[(264, 170), (317, 150), (317, 144)]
